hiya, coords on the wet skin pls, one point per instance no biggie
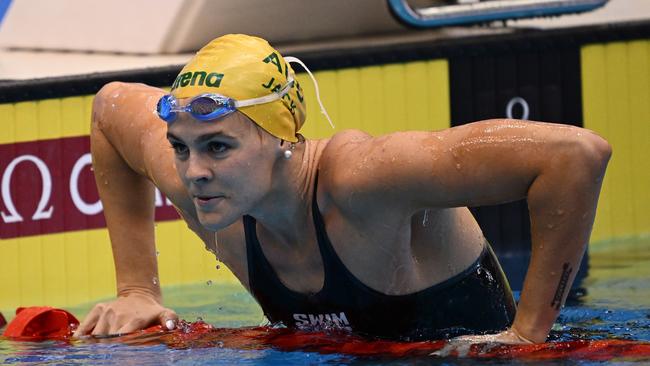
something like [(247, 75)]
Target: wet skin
[(394, 206)]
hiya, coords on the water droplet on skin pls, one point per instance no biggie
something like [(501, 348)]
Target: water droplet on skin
[(105, 182), (458, 166), (559, 212), (489, 276), (208, 282), (154, 280), (550, 226)]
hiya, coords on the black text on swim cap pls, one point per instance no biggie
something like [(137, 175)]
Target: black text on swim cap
[(212, 79)]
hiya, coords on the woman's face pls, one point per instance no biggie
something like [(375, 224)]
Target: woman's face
[(225, 165)]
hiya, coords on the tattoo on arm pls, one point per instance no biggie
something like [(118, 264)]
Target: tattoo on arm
[(561, 286)]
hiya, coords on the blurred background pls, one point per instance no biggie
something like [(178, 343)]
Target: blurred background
[(382, 66), (70, 37)]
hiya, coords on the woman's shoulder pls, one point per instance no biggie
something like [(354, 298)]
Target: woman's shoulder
[(340, 144), (349, 136), (118, 101), (339, 150), (337, 162), (115, 89)]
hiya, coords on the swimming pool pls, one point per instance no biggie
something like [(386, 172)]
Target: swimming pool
[(615, 306)]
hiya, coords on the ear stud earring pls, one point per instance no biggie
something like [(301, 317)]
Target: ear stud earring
[(288, 153)]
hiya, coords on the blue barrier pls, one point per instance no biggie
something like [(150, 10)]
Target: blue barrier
[(4, 6), (486, 11)]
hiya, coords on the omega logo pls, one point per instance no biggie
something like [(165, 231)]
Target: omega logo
[(47, 186), (518, 101), (42, 210)]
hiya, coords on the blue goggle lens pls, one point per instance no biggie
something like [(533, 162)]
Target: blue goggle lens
[(203, 107), (165, 108), (207, 108)]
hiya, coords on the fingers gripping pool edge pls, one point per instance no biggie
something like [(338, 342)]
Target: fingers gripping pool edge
[(168, 319), (89, 322)]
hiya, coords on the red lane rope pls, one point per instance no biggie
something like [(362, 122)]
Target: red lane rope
[(200, 335), (43, 323)]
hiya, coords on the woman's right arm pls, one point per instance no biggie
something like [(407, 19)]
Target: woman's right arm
[(126, 150)]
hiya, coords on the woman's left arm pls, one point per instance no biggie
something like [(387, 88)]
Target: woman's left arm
[(558, 168)]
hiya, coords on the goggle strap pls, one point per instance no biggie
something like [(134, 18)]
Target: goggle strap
[(267, 98), (261, 100), (322, 108)]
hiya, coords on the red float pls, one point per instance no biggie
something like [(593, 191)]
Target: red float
[(41, 323)]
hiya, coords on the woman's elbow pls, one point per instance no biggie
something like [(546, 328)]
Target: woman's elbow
[(101, 102), (595, 153), (602, 150)]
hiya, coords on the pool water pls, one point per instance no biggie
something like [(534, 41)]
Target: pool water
[(616, 305)]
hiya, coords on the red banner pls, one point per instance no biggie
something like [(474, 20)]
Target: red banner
[(48, 186)]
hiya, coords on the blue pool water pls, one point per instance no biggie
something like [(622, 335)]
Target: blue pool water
[(616, 306)]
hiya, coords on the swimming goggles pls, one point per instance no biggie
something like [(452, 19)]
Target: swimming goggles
[(209, 106)]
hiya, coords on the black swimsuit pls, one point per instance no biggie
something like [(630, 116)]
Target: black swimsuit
[(477, 300)]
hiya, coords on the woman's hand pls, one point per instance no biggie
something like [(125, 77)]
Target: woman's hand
[(510, 336), (461, 346), (126, 314)]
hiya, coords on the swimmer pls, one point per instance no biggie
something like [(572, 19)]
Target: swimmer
[(360, 233)]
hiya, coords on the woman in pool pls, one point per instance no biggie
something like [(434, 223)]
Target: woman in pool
[(369, 234)]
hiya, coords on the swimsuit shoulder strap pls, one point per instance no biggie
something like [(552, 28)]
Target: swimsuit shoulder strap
[(260, 272), (335, 271)]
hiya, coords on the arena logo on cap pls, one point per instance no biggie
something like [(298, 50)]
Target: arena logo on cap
[(198, 78)]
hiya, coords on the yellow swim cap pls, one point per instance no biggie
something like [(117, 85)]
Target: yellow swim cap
[(245, 67)]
